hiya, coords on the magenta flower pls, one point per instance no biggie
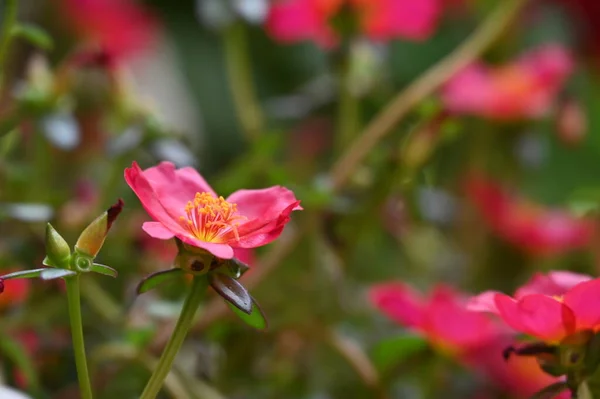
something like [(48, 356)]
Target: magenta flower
[(297, 20), (474, 339), (529, 226), (442, 316), (118, 27), (522, 89), (549, 307), (183, 205)]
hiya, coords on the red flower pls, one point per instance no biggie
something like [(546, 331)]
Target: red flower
[(118, 27), (13, 292), (296, 20), (183, 205), (522, 89), (529, 226), (476, 340), (549, 307)]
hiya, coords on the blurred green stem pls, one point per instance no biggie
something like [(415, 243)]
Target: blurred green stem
[(9, 18), (100, 300), (347, 123), (406, 100), (191, 304), (239, 70), (77, 335)]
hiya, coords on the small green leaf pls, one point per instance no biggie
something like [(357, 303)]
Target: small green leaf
[(34, 35), (256, 318), (103, 269), (24, 274), (150, 282), (551, 391), (392, 351), (51, 274), (13, 350), (232, 291)]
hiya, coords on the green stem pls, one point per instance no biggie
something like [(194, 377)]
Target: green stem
[(191, 304), (77, 336), (8, 23), (347, 123), (239, 71)]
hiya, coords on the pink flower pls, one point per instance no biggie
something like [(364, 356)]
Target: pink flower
[(296, 20), (549, 307), (442, 316), (538, 230), (183, 205), (522, 89), (118, 27), (473, 338)]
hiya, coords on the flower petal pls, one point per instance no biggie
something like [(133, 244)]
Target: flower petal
[(267, 211), (175, 187), (399, 302), (140, 185), (555, 283), (484, 302), (538, 315), (583, 300), (157, 230), (448, 321), (223, 251)]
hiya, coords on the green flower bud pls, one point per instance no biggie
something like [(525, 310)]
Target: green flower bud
[(57, 249), (92, 238)]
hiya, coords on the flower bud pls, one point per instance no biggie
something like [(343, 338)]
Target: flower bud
[(92, 238), (1, 285), (57, 249)]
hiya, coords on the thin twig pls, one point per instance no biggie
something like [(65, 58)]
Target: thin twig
[(406, 100)]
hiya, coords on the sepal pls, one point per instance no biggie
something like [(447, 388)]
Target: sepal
[(103, 269), (52, 274), (150, 282), (232, 291)]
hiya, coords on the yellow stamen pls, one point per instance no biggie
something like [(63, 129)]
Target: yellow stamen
[(211, 219)]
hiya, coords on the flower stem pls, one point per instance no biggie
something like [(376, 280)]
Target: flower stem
[(77, 336), (239, 72), (191, 304), (348, 114)]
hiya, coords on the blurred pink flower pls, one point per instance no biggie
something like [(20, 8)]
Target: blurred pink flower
[(549, 308), (472, 338), (522, 89), (118, 27), (296, 20), (537, 230), (183, 205)]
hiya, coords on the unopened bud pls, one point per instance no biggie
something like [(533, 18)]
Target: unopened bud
[(92, 238), (1, 285), (57, 249), (571, 122)]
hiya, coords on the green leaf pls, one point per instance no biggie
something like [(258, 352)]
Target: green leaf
[(51, 274), (392, 351), (24, 274), (15, 351), (34, 35), (103, 269), (150, 282), (551, 391), (256, 318), (232, 291)]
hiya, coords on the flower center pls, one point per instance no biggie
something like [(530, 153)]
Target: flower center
[(211, 219)]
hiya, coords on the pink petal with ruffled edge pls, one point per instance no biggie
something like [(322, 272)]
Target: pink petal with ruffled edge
[(538, 315), (399, 302), (584, 301), (555, 283)]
